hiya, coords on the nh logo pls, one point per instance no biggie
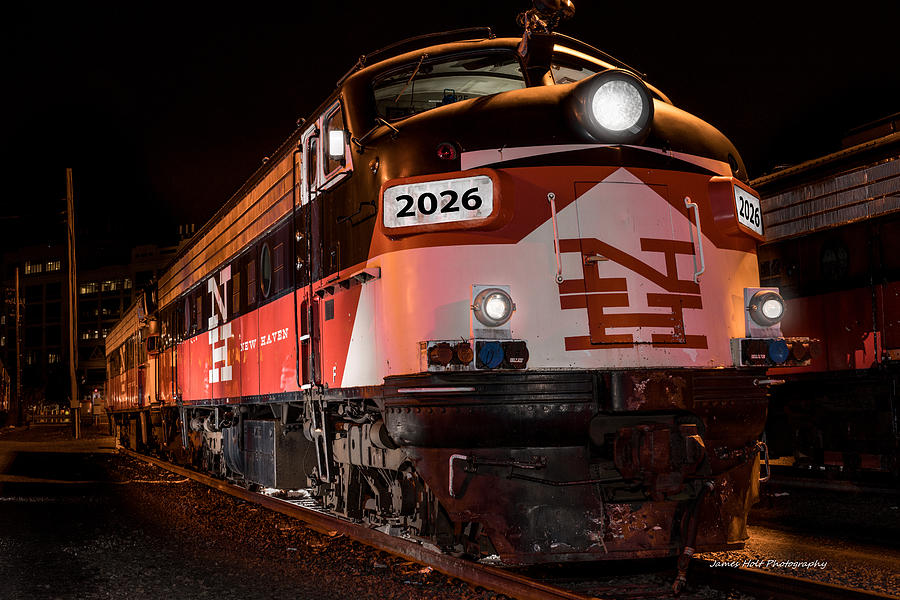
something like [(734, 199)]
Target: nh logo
[(219, 336)]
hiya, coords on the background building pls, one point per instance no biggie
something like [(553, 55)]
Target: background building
[(833, 249), (104, 292), (44, 322)]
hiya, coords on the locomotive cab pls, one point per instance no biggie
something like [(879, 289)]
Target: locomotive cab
[(612, 223)]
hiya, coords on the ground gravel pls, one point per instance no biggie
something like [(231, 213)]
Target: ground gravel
[(855, 535), (127, 538), (140, 532), (230, 532)]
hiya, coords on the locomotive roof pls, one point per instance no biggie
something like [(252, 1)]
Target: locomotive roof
[(479, 38), (863, 153), (360, 118), (853, 184), (441, 41)]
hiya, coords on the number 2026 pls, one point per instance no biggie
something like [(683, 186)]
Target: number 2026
[(427, 203), (749, 212)]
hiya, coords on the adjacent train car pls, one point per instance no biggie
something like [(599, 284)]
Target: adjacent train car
[(496, 294), (833, 248), (5, 393), (126, 372)]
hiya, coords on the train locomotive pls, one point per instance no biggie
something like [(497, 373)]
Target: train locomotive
[(497, 294)]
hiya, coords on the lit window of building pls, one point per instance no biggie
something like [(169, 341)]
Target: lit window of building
[(53, 265), (32, 268), (52, 358), (85, 335), (2, 319), (2, 340), (88, 288), (105, 332), (127, 284)]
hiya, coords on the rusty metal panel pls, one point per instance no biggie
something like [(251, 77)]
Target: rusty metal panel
[(259, 452), (274, 457), (857, 194)]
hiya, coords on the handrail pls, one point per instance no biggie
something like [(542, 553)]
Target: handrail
[(295, 237), (764, 458), (551, 197), (697, 272)]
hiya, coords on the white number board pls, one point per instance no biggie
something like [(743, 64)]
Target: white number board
[(746, 205), (443, 201)]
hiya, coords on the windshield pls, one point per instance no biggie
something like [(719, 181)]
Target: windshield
[(426, 84), (568, 66)]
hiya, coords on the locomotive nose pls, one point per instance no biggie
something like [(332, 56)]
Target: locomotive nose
[(612, 107)]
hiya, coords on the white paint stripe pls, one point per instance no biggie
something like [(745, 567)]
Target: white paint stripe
[(479, 158), (219, 354), (364, 352)]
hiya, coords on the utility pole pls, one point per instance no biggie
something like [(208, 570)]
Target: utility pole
[(74, 400), (19, 404)]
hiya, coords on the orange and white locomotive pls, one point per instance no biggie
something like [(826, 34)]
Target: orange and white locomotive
[(497, 294)]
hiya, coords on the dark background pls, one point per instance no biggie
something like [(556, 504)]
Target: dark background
[(163, 111)]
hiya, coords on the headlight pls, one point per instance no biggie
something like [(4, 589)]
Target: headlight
[(766, 308), (617, 105), (613, 106), (497, 307), (493, 307)]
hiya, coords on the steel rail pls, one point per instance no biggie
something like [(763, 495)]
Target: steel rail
[(812, 483), (491, 578), (755, 581), (775, 585)]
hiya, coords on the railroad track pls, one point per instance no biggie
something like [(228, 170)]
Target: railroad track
[(761, 584), (849, 486), (871, 483), (491, 578), (766, 584)]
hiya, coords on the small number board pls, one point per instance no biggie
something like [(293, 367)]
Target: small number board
[(746, 206), (442, 201)]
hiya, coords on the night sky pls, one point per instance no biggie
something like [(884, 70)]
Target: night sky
[(163, 112)]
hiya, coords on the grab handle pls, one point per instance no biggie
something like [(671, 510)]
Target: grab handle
[(551, 197), (764, 458), (697, 272)]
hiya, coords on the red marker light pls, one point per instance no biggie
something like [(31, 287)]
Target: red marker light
[(440, 354), (447, 151), (464, 353), (800, 350)]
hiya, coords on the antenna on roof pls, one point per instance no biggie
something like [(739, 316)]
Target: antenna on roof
[(543, 18), (546, 15)]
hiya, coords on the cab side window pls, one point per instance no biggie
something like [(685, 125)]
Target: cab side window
[(327, 159), (335, 141), (312, 152)]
